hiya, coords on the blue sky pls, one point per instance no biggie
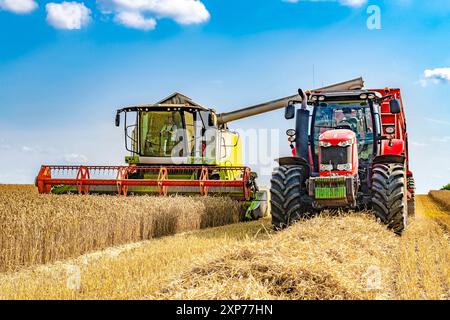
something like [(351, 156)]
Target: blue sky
[(65, 67)]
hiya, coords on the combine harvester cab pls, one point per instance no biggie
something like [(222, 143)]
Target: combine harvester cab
[(350, 150), (175, 146)]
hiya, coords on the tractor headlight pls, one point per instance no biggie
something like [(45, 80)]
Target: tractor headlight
[(345, 143), (290, 132), (390, 130), (324, 144), (326, 167), (291, 139), (345, 167)]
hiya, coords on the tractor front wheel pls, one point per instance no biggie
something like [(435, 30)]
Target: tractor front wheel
[(389, 195), (286, 195), (412, 200)]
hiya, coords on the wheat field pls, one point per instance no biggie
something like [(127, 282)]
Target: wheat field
[(344, 256), (442, 197), (38, 229)]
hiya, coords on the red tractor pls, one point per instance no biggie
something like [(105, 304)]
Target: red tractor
[(350, 150)]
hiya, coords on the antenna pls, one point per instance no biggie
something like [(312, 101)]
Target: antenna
[(314, 76)]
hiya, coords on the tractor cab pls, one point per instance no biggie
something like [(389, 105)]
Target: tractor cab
[(334, 118)]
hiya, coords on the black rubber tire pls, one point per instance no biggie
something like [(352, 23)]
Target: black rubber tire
[(412, 200), (389, 195), (286, 196), (412, 207)]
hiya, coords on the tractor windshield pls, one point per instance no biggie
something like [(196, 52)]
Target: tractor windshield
[(355, 116), (161, 131)]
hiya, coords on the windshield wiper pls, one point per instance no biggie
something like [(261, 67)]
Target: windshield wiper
[(330, 127)]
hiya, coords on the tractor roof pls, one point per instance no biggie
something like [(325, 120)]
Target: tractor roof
[(346, 95)]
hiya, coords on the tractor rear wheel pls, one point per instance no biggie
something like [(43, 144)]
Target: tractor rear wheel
[(389, 195), (286, 195)]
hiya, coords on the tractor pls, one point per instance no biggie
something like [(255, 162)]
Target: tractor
[(349, 151)]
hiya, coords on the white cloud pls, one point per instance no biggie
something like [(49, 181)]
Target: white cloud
[(418, 144), (142, 14), (438, 121), (68, 15), (135, 20), (437, 75), (353, 3), (75, 158), (443, 139), (348, 3), (28, 149), (5, 147), (18, 6), (36, 149)]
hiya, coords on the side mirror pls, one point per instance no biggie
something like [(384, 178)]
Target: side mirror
[(394, 105), (289, 113), (118, 119)]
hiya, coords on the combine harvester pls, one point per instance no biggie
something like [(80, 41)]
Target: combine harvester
[(350, 150)]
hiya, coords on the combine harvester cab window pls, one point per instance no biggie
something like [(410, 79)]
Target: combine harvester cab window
[(161, 131), (356, 116)]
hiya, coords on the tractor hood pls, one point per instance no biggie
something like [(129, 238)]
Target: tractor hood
[(336, 136)]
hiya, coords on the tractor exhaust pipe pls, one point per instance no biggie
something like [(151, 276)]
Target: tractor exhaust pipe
[(301, 129)]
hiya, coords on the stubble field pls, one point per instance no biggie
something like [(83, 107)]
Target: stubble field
[(103, 253)]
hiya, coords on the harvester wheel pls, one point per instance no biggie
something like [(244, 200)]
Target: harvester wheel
[(389, 195), (286, 194)]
